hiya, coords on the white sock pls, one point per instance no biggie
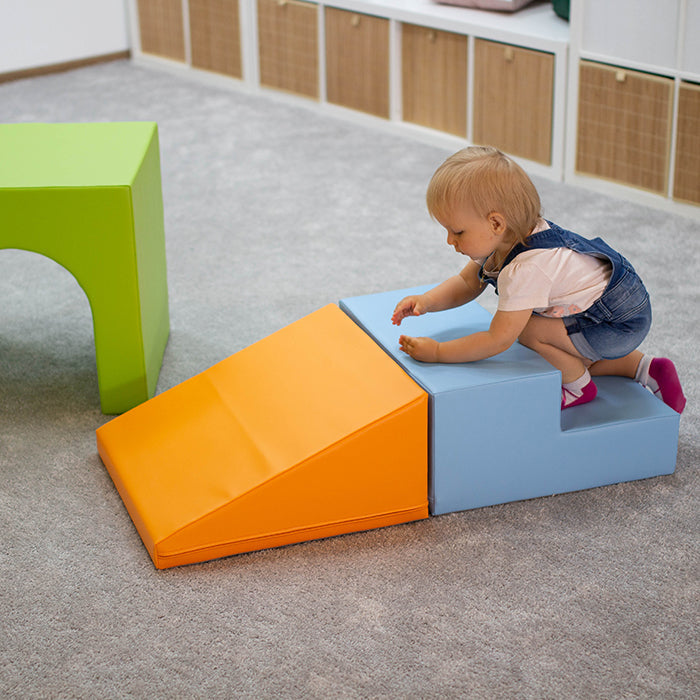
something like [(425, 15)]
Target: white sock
[(642, 375), (576, 387)]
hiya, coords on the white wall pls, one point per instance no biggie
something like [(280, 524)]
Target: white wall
[(36, 33)]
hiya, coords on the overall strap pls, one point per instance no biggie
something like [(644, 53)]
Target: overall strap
[(549, 238), (557, 237)]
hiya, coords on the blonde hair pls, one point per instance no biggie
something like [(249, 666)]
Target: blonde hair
[(488, 181)]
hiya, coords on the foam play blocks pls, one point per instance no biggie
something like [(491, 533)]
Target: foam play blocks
[(89, 197), (326, 427), (497, 433), (311, 432)]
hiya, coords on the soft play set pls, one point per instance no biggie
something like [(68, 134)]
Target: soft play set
[(323, 427)]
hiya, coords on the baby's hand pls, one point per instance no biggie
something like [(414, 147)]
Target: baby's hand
[(422, 349), (409, 306)]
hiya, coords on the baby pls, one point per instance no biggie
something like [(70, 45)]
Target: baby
[(576, 302)]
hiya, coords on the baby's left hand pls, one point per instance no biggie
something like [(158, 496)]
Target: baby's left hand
[(422, 349)]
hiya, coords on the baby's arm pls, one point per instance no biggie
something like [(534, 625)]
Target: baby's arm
[(504, 330), (453, 292)]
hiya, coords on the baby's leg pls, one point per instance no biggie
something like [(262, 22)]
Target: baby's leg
[(658, 374), (548, 338), (622, 367)]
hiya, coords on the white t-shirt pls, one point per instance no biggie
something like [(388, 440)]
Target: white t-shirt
[(555, 282)]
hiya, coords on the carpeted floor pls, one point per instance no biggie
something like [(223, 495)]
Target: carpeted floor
[(273, 211)]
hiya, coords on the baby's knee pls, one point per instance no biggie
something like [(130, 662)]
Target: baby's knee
[(528, 336)]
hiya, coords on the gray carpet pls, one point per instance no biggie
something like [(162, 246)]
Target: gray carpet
[(271, 212)]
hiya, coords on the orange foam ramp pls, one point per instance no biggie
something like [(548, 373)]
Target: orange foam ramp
[(311, 432)]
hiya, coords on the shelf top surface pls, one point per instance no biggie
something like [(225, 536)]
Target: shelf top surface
[(537, 22)]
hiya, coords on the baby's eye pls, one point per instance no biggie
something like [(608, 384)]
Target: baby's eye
[(458, 233)]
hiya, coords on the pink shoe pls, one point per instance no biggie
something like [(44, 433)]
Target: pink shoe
[(569, 399), (663, 372)]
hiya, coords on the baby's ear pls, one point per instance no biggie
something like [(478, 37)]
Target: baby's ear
[(497, 222)]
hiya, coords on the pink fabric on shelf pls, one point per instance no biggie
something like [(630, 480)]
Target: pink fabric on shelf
[(503, 5)]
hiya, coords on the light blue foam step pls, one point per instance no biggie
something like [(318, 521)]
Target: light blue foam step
[(497, 432)]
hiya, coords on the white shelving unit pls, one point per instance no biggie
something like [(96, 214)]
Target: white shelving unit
[(535, 27), (652, 37), (647, 36)]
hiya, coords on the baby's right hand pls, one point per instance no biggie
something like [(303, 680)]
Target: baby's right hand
[(409, 306)]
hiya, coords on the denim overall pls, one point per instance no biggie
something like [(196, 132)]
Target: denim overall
[(619, 320)]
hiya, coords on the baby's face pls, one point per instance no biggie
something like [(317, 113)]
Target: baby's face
[(471, 234)]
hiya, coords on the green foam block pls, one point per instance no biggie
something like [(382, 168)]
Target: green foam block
[(89, 197)]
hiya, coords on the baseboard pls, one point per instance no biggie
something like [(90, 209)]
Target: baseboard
[(62, 67)]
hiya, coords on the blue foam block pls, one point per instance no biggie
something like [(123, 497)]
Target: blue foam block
[(497, 432)]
